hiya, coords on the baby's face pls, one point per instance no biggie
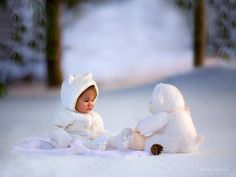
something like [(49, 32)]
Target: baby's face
[(85, 102)]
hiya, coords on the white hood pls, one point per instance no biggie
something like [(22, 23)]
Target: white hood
[(72, 88), (166, 98)]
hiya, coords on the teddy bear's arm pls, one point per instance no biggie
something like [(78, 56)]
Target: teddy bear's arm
[(151, 124), (187, 109)]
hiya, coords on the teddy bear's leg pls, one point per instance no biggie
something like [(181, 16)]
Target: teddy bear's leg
[(137, 141), (156, 149), (168, 142)]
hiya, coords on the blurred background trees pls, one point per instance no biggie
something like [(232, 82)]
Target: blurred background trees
[(30, 34), (220, 19), (22, 39), (199, 35), (53, 42)]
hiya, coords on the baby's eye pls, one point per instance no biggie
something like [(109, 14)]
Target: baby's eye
[(86, 101)]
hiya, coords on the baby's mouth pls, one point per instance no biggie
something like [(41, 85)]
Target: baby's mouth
[(89, 109)]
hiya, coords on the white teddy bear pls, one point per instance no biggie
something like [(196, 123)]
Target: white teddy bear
[(170, 126)]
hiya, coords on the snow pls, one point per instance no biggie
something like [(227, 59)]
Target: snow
[(145, 54), (210, 92)]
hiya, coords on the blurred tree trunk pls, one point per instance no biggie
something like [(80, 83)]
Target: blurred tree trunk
[(53, 42), (199, 32)]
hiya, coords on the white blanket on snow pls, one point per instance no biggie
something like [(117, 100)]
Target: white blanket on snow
[(43, 145)]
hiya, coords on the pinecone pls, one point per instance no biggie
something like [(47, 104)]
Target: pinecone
[(156, 149)]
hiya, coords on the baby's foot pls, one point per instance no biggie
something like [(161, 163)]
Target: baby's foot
[(126, 137), (102, 145), (125, 144), (78, 146)]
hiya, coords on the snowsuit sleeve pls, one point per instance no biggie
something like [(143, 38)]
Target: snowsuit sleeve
[(87, 126), (65, 122), (98, 124), (58, 135), (151, 124), (62, 118), (60, 138), (81, 127)]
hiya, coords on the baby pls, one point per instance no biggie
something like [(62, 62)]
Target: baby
[(75, 121)]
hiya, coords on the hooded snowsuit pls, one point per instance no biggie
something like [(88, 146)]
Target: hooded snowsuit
[(71, 125), (170, 124)]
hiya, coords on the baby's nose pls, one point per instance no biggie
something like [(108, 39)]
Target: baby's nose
[(91, 103)]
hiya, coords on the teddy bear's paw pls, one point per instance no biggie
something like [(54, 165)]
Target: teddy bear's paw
[(156, 149)]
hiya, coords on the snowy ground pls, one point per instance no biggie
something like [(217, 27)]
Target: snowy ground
[(209, 92)]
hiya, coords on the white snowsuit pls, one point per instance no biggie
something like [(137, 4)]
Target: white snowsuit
[(170, 124), (71, 126), (87, 128)]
